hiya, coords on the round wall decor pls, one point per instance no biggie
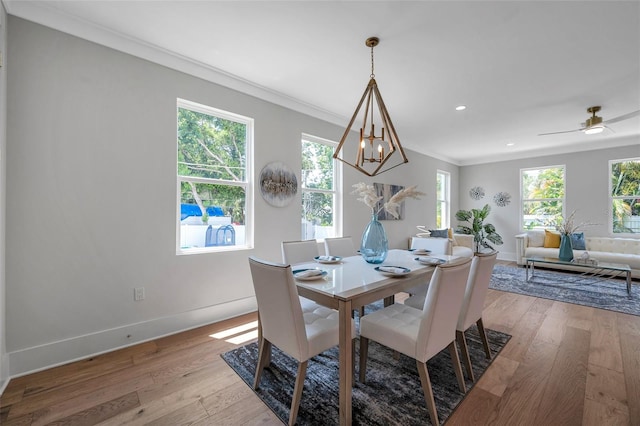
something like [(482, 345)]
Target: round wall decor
[(502, 199), (476, 193), (278, 184)]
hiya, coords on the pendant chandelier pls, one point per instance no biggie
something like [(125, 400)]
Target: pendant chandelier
[(367, 151)]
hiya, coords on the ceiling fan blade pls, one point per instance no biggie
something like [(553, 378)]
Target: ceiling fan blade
[(557, 133), (622, 117)]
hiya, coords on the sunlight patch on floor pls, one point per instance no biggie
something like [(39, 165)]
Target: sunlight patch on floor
[(240, 334)]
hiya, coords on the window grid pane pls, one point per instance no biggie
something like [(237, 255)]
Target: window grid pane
[(542, 196), (212, 178), (625, 196), (318, 179)]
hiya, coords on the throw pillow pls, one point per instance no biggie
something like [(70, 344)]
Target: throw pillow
[(536, 238), (577, 241), (551, 239), (439, 233)]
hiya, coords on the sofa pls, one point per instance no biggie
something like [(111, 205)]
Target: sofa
[(602, 249), (460, 245)]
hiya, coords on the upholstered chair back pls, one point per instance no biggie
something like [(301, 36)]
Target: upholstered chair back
[(476, 289), (339, 246), (279, 308), (442, 308), (294, 252)]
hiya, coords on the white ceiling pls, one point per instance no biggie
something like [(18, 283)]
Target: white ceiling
[(522, 68)]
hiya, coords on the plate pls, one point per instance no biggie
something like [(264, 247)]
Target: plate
[(311, 278), (420, 251), (431, 261), (404, 271), (327, 259)]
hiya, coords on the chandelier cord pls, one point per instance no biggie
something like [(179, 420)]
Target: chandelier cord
[(372, 74)]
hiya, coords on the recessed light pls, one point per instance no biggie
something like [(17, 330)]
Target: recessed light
[(510, 144), (461, 107)]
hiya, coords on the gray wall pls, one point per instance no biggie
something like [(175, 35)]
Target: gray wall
[(4, 361), (586, 176), (91, 192)]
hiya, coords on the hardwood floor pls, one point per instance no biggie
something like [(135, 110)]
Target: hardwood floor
[(565, 365)]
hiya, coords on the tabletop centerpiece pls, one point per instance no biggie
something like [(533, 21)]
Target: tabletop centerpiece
[(374, 245), (567, 227)]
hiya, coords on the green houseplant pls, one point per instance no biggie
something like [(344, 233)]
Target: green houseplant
[(481, 232)]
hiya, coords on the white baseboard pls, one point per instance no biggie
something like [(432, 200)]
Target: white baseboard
[(507, 256), (53, 354), (4, 372)]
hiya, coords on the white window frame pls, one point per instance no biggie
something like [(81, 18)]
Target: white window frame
[(611, 198), (523, 200), (248, 184), (337, 184), (445, 221)]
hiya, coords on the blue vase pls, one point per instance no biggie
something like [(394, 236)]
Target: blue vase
[(566, 250), (374, 245)]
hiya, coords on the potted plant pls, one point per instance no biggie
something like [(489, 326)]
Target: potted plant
[(481, 232)]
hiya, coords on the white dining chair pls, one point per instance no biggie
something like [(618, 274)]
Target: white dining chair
[(437, 246), (343, 247), (294, 252), (422, 333), (473, 304), (339, 246), (284, 324)]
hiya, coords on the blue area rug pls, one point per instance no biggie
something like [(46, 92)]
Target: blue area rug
[(569, 287), (392, 394)]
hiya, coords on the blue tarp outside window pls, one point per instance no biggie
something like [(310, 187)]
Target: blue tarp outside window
[(187, 210)]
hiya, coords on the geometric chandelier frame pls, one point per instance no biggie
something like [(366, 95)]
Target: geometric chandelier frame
[(367, 151)]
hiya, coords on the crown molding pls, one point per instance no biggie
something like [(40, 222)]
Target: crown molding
[(43, 14)]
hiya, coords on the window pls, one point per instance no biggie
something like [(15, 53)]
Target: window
[(443, 183), (321, 179), (214, 192), (625, 196), (542, 195)]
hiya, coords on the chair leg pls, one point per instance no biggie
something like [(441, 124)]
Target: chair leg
[(264, 357), (462, 343), (297, 392), (364, 351), (483, 337), (428, 392), (456, 365)]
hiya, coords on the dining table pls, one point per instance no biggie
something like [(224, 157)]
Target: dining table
[(348, 283)]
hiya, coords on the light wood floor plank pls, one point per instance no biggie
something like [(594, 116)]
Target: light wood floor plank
[(596, 414), (630, 345), (564, 393), (605, 341), (520, 400), (606, 387)]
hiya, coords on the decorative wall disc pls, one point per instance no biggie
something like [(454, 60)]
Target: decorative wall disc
[(278, 184), (476, 193), (502, 199)]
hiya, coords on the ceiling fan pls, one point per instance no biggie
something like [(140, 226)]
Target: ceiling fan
[(594, 124)]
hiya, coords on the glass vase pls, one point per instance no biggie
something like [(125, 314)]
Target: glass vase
[(374, 245), (566, 250)]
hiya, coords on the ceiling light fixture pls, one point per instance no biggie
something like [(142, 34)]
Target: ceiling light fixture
[(593, 124), (461, 108), (372, 152)]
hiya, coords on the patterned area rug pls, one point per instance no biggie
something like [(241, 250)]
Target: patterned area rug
[(392, 395), (610, 294)]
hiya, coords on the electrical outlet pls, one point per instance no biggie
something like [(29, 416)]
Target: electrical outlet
[(138, 294)]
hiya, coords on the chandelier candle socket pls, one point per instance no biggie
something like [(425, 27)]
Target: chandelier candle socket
[(372, 151)]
